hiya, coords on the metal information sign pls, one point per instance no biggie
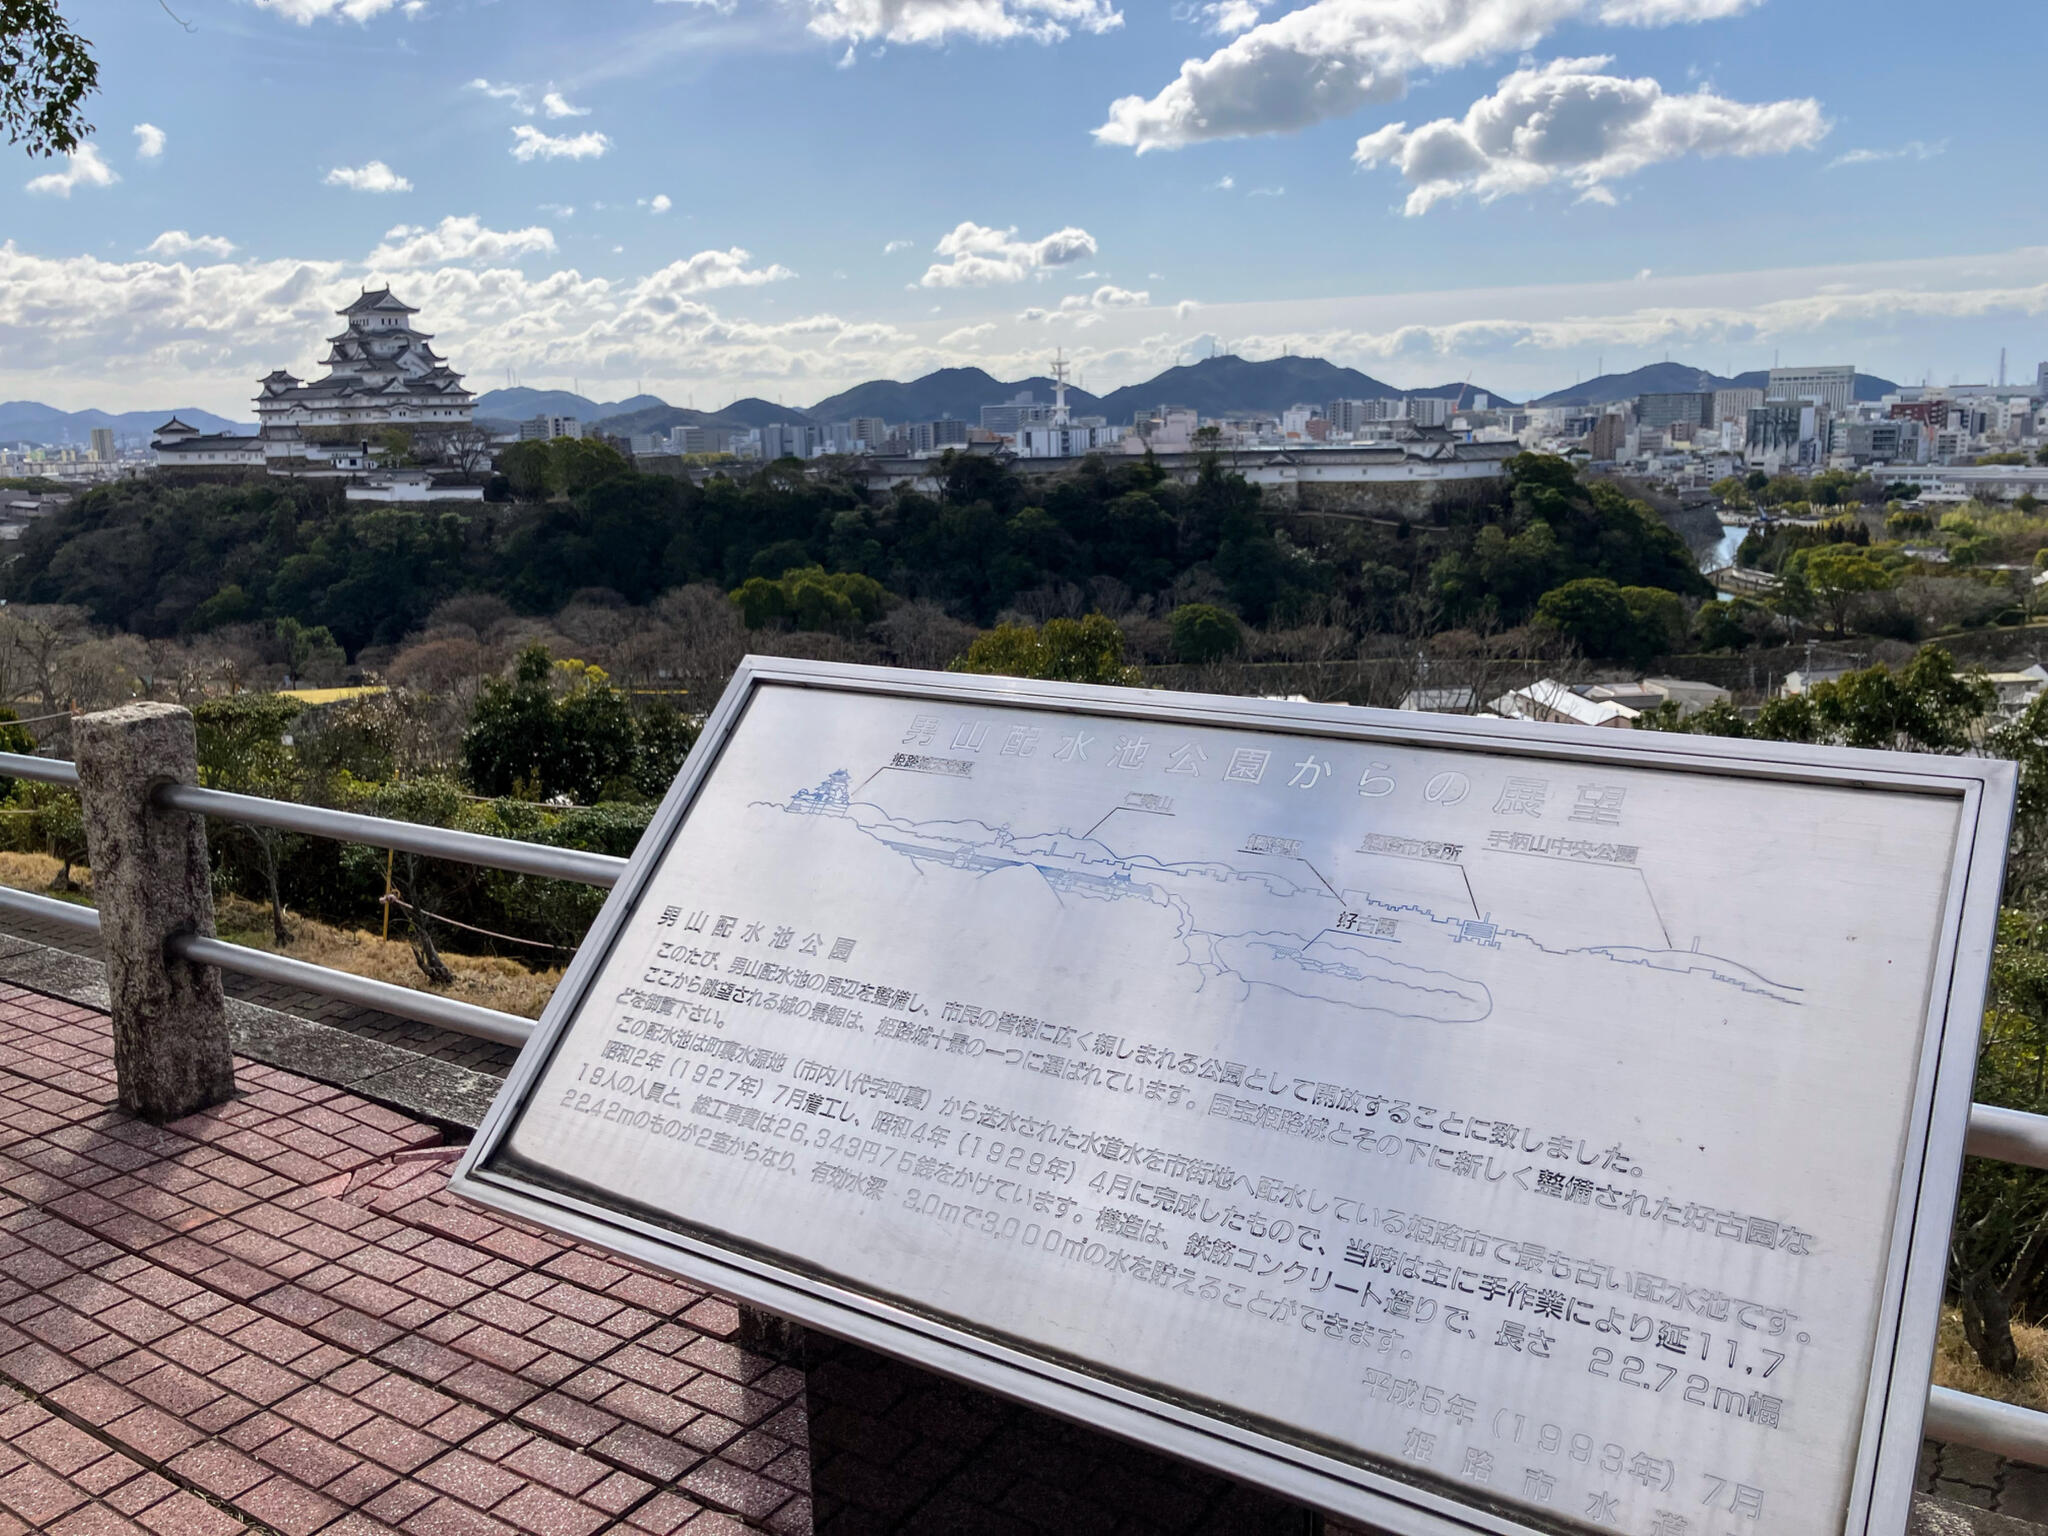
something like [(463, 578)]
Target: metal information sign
[(1458, 1124)]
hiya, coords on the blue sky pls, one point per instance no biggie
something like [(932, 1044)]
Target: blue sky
[(782, 197)]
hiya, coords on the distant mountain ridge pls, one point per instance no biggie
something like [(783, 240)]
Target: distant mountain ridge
[(1213, 386), (1681, 379), (523, 404), (30, 421)]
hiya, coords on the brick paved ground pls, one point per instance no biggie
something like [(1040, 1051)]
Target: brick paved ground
[(370, 1023), (1985, 1481), (272, 1317)]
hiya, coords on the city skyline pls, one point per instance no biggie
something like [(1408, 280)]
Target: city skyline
[(1521, 190)]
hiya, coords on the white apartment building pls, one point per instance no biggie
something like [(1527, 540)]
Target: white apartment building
[(1833, 385)]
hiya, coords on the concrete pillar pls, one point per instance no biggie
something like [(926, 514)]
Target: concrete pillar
[(151, 879)]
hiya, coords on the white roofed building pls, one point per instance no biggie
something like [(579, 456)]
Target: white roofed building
[(381, 372)]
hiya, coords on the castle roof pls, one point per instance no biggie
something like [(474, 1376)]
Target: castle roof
[(381, 299), (177, 426)]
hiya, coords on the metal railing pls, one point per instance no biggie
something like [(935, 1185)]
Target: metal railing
[(2004, 1135), (501, 853)]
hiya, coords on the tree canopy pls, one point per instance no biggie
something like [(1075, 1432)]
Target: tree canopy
[(46, 72)]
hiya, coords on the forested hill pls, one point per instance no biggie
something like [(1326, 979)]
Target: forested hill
[(160, 560), (1217, 386), (1668, 378)]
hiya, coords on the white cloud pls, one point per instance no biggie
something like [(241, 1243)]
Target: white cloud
[(1267, 192), (150, 326), (1223, 184), (1086, 309), (520, 97), (83, 167), (1912, 149), (78, 330), (414, 9), (1331, 57), (713, 269), (149, 141), (373, 176), (1665, 13), (555, 106), (981, 21), (1228, 16), (456, 238), (968, 336), (977, 255), (306, 12), (897, 245), (175, 242), (559, 210), (1566, 121), (529, 143), (659, 203)]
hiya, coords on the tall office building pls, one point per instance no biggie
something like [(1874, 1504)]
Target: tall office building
[(1834, 386)]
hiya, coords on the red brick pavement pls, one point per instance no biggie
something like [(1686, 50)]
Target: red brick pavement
[(272, 1317)]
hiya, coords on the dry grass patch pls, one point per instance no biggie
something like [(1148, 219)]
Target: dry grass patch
[(487, 981), (505, 985), (1956, 1364), (37, 871)]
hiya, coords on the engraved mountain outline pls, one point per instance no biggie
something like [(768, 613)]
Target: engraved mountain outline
[(1325, 964)]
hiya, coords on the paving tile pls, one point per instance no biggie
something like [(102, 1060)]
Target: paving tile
[(63, 1448), (219, 1469), (37, 1495), (288, 1508), (544, 1512), (446, 1517), (326, 1412), (308, 1458), (470, 1478)]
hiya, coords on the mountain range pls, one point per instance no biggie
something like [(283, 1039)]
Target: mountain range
[(1214, 386), (29, 421), (1679, 379)]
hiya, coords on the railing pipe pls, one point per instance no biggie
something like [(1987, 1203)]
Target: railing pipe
[(49, 910), (2009, 1135), (426, 1007), (599, 869), (47, 770), (1961, 1418)]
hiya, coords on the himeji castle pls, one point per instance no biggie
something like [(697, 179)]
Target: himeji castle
[(382, 373)]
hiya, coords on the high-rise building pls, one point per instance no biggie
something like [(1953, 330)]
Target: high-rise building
[(103, 444), (1346, 415), (1429, 410), (1013, 413), (1786, 432), (1693, 409), (1609, 438), (1734, 405), (1833, 385), (789, 440)]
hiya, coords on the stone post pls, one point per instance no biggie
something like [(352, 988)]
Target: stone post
[(151, 879)]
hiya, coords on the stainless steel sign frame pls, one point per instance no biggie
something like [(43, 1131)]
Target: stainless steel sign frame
[(1926, 833)]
